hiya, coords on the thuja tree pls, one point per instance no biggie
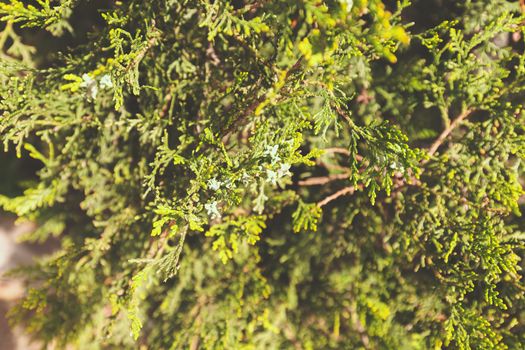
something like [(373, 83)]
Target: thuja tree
[(269, 174)]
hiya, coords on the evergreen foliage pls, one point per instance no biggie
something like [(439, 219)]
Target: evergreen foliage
[(269, 174)]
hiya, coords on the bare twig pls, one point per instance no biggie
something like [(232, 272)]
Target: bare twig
[(442, 137), (332, 197), (321, 180), (339, 150), (196, 315), (345, 116), (214, 59), (167, 103), (152, 41), (361, 330), (290, 335)]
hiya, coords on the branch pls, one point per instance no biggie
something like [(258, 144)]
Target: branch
[(343, 114), (359, 326), (253, 106), (152, 41), (315, 181), (344, 191), (339, 150), (442, 137)]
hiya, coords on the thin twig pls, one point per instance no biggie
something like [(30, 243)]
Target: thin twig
[(339, 150), (321, 180), (332, 197), (152, 41), (196, 315), (345, 116), (288, 332), (365, 340), (442, 137), (214, 59)]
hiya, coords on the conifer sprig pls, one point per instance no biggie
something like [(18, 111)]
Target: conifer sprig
[(269, 174)]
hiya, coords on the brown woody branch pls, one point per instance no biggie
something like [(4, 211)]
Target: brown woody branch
[(343, 192), (321, 180), (442, 137), (339, 150)]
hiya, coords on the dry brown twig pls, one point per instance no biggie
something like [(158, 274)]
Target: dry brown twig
[(343, 192), (443, 136), (321, 180), (339, 150)]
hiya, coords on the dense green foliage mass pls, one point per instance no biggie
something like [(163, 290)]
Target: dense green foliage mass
[(269, 174)]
